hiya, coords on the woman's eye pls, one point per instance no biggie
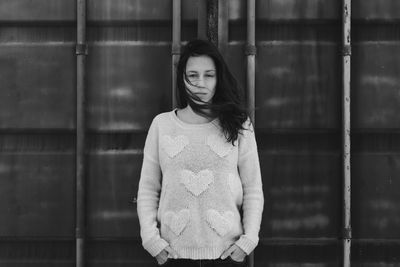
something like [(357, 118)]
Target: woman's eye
[(210, 75), (192, 76)]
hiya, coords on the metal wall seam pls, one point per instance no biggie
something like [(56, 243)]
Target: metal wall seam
[(81, 53), (346, 133), (176, 45), (250, 52)]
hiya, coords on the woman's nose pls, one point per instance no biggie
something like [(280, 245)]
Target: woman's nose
[(200, 82)]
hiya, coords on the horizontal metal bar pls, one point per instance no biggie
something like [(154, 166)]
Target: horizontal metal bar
[(294, 241), (263, 240)]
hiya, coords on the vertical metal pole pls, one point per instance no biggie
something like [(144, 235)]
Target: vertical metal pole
[(81, 53), (212, 21), (346, 133), (251, 54), (202, 19), (207, 20), (176, 45), (223, 26)]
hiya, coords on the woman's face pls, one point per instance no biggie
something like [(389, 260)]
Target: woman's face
[(202, 75)]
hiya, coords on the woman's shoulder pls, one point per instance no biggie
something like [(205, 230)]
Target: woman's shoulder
[(247, 131), (247, 125), (163, 118)]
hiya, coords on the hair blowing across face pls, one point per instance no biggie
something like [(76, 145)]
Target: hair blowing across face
[(228, 102)]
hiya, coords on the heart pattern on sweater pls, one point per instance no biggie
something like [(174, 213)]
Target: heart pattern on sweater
[(197, 183), (219, 145), (221, 223), (173, 146), (177, 221)]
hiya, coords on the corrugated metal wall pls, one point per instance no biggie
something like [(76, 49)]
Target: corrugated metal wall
[(376, 135), (298, 122)]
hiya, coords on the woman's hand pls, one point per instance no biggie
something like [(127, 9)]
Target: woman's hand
[(162, 257), (235, 252)]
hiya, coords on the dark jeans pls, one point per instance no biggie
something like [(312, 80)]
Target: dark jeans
[(228, 262)]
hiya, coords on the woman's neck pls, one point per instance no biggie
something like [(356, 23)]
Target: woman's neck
[(188, 115)]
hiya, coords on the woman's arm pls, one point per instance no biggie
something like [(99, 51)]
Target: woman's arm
[(149, 193), (253, 197)]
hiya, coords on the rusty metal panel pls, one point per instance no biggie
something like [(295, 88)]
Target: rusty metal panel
[(375, 147), (301, 195), (375, 85), (36, 34), (121, 253), (372, 253), (298, 9), (376, 209), (236, 61), (298, 85), (189, 9), (37, 86), (126, 89), (37, 194), (287, 9), (300, 160), (37, 253), (113, 180), (128, 10), (292, 253), (142, 11), (38, 10), (376, 10)]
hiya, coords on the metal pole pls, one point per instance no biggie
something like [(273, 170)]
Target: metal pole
[(81, 53), (176, 45), (346, 133), (250, 52), (207, 20), (223, 25), (212, 21), (202, 19)]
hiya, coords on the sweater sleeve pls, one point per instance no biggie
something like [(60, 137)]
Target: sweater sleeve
[(253, 198), (148, 194)]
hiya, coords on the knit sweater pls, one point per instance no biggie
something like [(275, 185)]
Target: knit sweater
[(199, 193)]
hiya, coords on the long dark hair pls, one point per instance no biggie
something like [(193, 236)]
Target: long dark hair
[(228, 102)]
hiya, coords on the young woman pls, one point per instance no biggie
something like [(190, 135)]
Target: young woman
[(200, 192)]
